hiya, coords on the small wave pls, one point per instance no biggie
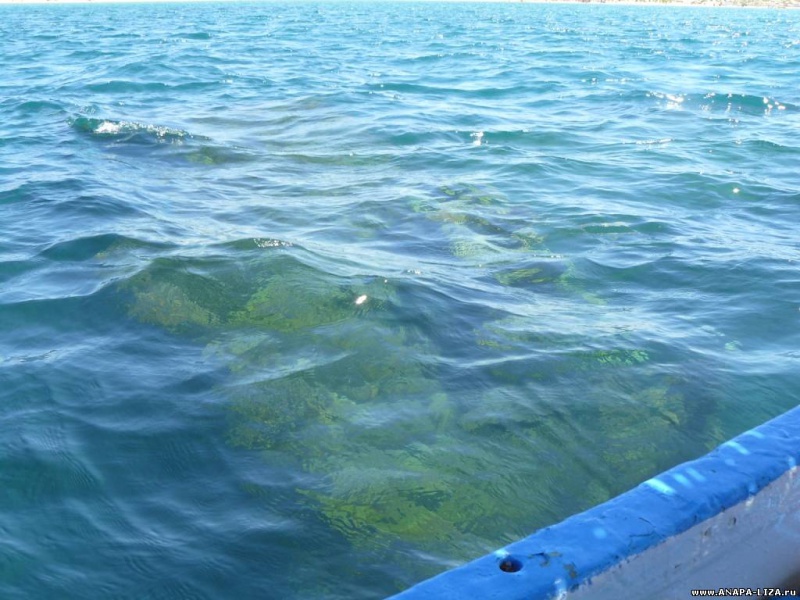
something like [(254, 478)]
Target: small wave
[(175, 84), (744, 103), (729, 103), (432, 92), (250, 244), (127, 87), (186, 147), (130, 131), (96, 247), (218, 155), (36, 106), (196, 35), (768, 147), (39, 191)]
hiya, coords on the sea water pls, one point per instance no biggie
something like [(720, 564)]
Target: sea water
[(315, 300)]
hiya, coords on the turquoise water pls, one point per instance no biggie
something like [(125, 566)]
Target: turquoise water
[(317, 300)]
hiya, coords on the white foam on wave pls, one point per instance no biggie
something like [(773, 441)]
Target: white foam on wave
[(108, 127)]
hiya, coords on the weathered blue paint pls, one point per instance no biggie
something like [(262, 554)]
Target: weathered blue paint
[(560, 558)]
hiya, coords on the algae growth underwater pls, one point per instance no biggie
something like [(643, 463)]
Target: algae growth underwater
[(316, 300)]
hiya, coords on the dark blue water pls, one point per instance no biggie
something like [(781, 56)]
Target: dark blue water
[(316, 300)]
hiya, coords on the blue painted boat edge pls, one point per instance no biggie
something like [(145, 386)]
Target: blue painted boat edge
[(561, 557)]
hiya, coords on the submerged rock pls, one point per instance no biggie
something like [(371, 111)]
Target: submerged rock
[(340, 376)]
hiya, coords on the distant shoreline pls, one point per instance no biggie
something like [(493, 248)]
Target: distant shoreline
[(776, 4)]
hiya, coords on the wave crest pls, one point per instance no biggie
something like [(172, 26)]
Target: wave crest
[(130, 131)]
